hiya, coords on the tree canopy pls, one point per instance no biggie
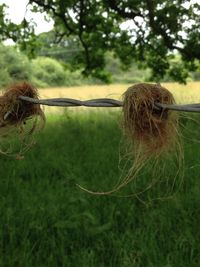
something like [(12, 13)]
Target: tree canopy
[(150, 32)]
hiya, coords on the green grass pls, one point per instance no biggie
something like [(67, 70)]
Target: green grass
[(46, 220)]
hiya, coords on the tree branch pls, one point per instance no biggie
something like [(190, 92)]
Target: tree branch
[(127, 15), (56, 14), (155, 26)]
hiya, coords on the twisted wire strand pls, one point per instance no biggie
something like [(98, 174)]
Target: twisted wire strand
[(69, 102), (104, 102)]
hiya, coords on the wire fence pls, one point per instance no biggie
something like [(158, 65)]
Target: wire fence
[(105, 102)]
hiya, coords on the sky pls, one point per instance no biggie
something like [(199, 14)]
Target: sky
[(17, 10)]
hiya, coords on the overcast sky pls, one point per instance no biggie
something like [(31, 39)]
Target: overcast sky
[(17, 10)]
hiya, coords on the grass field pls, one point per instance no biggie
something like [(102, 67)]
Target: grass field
[(47, 221)]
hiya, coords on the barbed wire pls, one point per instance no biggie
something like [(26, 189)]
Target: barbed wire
[(105, 102)]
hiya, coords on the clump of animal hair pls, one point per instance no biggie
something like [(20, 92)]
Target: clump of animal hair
[(151, 129), (15, 112), (151, 132)]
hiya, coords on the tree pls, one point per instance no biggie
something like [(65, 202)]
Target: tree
[(65, 49), (23, 34), (160, 29)]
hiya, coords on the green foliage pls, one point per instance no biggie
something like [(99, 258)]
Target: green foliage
[(14, 66), (48, 72), (47, 221), (120, 75), (196, 74), (19, 33), (157, 29), (42, 71), (64, 49)]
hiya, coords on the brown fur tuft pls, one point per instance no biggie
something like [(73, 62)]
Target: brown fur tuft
[(152, 129), (20, 110), (151, 132), (15, 112)]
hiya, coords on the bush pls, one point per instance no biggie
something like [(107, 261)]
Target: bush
[(14, 66), (120, 74), (196, 75), (47, 72)]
